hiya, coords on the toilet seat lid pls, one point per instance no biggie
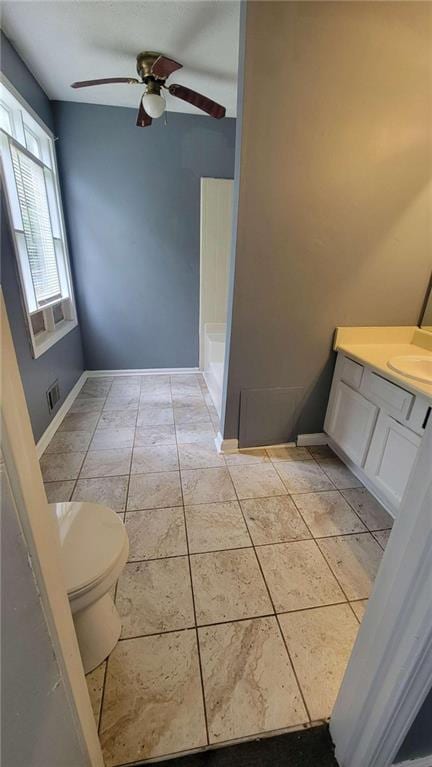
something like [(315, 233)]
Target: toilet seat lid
[(92, 538)]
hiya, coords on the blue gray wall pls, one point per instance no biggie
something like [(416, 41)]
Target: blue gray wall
[(334, 196), (64, 361), (132, 202)]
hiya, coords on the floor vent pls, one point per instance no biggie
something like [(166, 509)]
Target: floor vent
[(53, 395)]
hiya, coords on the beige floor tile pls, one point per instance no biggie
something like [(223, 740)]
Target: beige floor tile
[(109, 491), (298, 576), (321, 451), (155, 397), (156, 533), (109, 439), (257, 481), (69, 442), (188, 400), (328, 513), (153, 491), (155, 415), (155, 596), (186, 414), (289, 453), (320, 643), (339, 474), (124, 391), (106, 463), (159, 380), (369, 510), (153, 700), (207, 486), (359, 608), (116, 402), (182, 388), (355, 560), (95, 682), (59, 466), (246, 457), (200, 456), (228, 585), (216, 526), (59, 492), (117, 419), (249, 684), (194, 432), (87, 405), (303, 477), (273, 520), (382, 537), (155, 435), (79, 422), (96, 387), (154, 458)]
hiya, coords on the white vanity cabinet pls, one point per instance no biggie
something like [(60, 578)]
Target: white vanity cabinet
[(391, 457), (351, 422), (376, 427)]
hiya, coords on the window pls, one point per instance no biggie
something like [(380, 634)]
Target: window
[(33, 195)]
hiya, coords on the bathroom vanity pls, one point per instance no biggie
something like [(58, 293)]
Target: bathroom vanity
[(376, 416)]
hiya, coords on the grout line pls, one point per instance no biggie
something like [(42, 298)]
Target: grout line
[(193, 603), (274, 610), (189, 554)]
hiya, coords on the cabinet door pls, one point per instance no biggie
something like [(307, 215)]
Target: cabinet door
[(391, 456), (350, 422)]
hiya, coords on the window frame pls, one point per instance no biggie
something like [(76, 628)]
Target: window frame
[(29, 121)]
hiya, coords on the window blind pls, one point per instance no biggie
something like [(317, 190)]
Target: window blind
[(33, 201)]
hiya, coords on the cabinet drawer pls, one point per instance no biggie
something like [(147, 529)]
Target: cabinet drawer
[(393, 398), (351, 372)]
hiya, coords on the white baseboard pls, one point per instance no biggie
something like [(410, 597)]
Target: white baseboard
[(225, 445), (423, 761), (49, 432), (142, 372), (305, 440)]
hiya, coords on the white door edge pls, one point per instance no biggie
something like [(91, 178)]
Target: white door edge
[(389, 671)]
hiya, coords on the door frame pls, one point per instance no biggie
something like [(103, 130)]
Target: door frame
[(41, 536), (390, 669)]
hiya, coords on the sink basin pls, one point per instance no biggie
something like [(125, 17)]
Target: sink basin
[(419, 368)]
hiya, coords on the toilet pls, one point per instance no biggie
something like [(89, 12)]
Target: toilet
[(94, 550)]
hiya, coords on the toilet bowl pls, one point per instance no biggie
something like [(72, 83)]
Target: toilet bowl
[(94, 550)]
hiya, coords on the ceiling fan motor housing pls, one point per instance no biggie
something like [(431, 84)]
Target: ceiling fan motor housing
[(145, 61)]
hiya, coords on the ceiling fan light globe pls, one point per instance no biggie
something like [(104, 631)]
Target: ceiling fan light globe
[(153, 104)]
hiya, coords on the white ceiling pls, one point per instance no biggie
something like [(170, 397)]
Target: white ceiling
[(66, 40)]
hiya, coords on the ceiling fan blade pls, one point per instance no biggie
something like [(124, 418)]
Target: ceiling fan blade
[(106, 81), (164, 67), (143, 119), (202, 102)]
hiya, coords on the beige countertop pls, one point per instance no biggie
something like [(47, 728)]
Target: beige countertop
[(376, 346)]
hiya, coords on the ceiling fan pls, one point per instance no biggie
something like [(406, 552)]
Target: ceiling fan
[(153, 70)]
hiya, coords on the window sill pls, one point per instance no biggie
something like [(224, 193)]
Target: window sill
[(48, 338)]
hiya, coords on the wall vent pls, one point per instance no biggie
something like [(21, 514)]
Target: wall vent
[(53, 395)]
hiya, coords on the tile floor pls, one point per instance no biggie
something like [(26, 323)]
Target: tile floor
[(247, 578)]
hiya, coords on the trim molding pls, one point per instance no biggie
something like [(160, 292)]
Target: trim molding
[(423, 761), (304, 440), (225, 445), (59, 416), (142, 372)]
